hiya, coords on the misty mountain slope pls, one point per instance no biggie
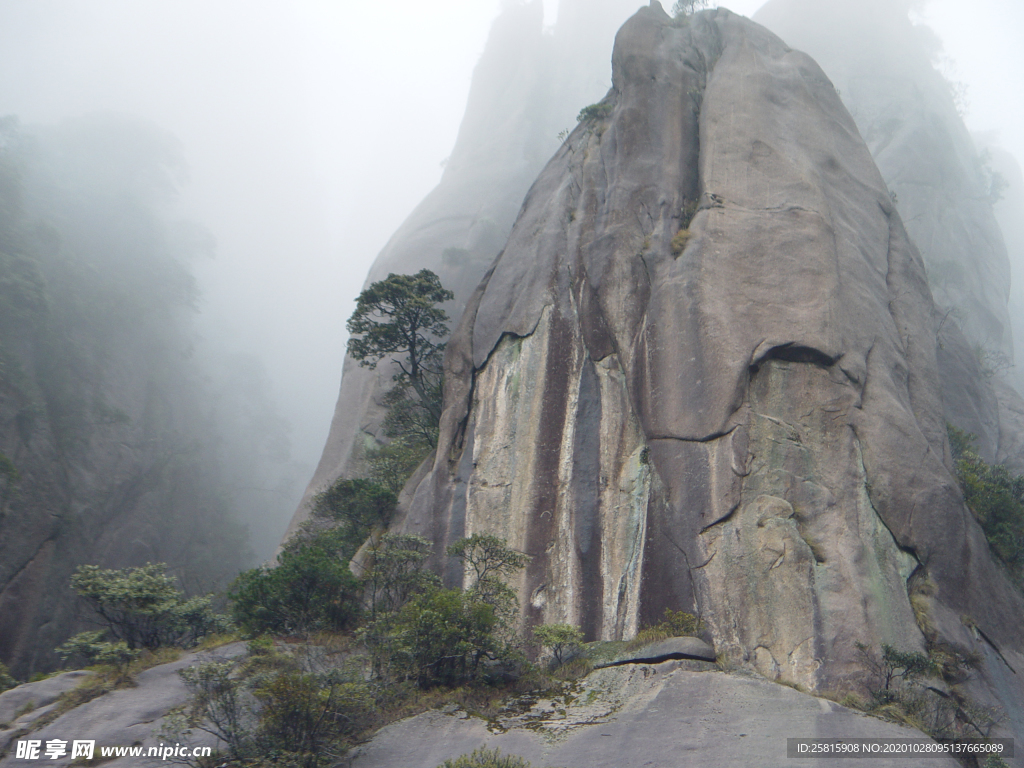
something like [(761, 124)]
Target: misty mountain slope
[(744, 420), (113, 444), (943, 187), (527, 86)]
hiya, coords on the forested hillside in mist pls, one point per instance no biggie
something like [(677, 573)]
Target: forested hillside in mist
[(123, 440)]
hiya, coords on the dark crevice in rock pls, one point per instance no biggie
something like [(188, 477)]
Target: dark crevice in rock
[(793, 352), (812, 545), (894, 293), (724, 518), (541, 526), (510, 335), (28, 563), (707, 439), (669, 649), (586, 517), (903, 547), (689, 569), (995, 648), (653, 660)]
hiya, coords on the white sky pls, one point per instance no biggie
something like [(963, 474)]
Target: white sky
[(313, 127)]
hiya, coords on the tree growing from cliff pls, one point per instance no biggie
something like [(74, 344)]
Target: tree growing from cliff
[(398, 318), (686, 7), (492, 560)]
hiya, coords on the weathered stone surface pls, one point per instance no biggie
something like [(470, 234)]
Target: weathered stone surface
[(970, 399), (905, 110), (752, 428), (668, 717), (127, 716), (528, 86), (28, 701)]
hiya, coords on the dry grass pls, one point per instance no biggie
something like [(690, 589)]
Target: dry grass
[(847, 699), (921, 605), (106, 679), (27, 707), (646, 637), (575, 669), (682, 237), (210, 642), (90, 688), (791, 684)]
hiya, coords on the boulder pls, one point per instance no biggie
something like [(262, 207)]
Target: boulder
[(669, 649)]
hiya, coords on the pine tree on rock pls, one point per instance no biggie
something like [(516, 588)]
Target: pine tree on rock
[(399, 318)]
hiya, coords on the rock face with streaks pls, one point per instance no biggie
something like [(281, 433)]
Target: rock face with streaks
[(703, 375), (528, 85)]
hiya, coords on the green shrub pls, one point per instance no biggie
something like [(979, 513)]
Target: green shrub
[(443, 637), (564, 640), (433, 636), (679, 623), (287, 717), (996, 498), (894, 671), (397, 572), (394, 575), (492, 561), (217, 706), (392, 465), (490, 557), (312, 588), (91, 647), (597, 111), (307, 716), (672, 624), (144, 607), (486, 758), (356, 507), (647, 636)]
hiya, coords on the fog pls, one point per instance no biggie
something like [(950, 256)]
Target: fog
[(312, 128)]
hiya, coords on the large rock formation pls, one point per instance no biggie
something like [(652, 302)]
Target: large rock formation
[(746, 422), (528, 85), (942, 185)]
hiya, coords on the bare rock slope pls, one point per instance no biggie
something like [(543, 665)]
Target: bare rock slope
[(641, 716), (744, 420)]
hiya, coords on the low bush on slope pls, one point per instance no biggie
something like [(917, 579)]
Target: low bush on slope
[(996, 497)]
